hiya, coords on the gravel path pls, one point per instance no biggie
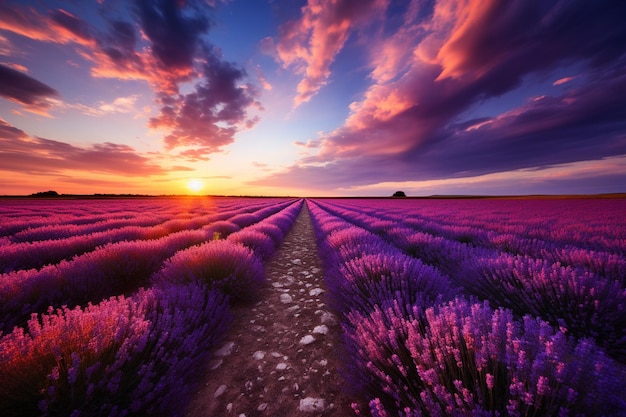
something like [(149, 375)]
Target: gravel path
[(280, 357)]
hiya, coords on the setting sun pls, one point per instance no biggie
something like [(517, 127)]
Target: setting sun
[(195, 185)]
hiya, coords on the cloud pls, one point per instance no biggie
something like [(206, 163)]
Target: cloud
[(6, 48), (58, 26), (412, 123), (261, 77), (22, 88), (174, 36), (563, 80), (163, 43), (209, 116), (311, 43), (24, 154)]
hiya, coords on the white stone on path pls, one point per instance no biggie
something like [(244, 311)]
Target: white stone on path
[(281, 366), (285, 298), (307, 340), (311, 405), (258, 355), (328, 318), (323, 329), (296, 261), (219, 391), (315, 292), (226, 349)]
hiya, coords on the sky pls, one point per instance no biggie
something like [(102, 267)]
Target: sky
[(313, 97)]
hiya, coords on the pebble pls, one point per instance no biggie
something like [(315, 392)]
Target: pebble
[(328, 318), (219, 391), (285, 298), (226, 349), (311, 405), (323, 329), (281, 366), (307, 340), (315, 292), (258, 355), (216, 363)]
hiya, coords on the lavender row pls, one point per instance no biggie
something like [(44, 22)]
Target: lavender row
[(408, 352), (114, 269), (37, 254), (218, 263), (583, 303), (124, 356), (594, 224), (147, 217), (608, 260), (17, 216), (466, 358), (138, 355)]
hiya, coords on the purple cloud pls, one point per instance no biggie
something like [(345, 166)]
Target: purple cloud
[(209, 116), (175, 36), (205, 119), (21, 153), (22, 88), (412, 124)]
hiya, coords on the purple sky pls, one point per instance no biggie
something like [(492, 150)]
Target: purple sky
[(342, 97)]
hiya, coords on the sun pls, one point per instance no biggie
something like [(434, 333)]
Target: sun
[(195, 185)]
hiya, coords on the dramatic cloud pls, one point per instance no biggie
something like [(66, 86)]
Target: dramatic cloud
[(311, 43), (209, 116), (412, 122), (163, 45), (22, 153), (19, 87), (174, 36), (58, 26)]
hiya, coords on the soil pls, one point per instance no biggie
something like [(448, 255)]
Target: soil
[(280, 357)]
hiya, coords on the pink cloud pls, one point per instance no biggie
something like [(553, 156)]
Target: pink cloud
[(19, 87), (208, 118), (24, 154), (59, 26), (563, 80), (412, 122), (311, 43), (262, 79)]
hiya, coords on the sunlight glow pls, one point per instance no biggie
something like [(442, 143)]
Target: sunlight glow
[(195, 185)]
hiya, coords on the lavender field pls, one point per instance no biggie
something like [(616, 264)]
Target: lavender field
[(485, 307), (479, 307), (110, 307)]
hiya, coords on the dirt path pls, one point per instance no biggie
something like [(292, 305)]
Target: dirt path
[(280, 357)]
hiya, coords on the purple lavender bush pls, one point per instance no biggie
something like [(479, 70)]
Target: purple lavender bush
[(230, 267), (260, 243), (582, 303), (124, 356), (273, 231), (220, 229), (376, 279), (463, 358)]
